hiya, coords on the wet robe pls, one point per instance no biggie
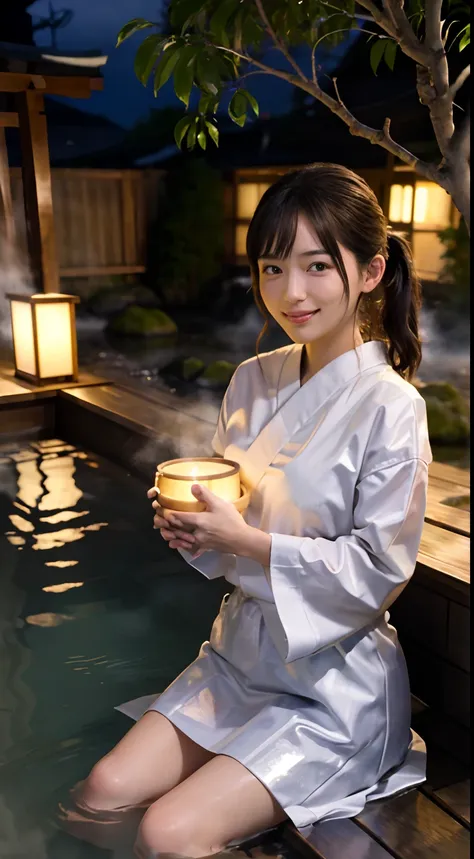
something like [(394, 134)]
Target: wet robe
[(303, 680)]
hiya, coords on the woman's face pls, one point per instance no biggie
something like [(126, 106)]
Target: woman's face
[(305, 293)]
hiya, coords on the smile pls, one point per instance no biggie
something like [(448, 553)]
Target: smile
[(301, 317)]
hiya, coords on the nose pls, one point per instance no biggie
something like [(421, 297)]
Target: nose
[(295, 287)]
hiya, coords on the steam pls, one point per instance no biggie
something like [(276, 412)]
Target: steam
[(15, 276), (180, 434)]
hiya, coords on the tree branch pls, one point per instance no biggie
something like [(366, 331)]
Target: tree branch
[(376, 136), (395, 23), (460, 80), (277, 42)]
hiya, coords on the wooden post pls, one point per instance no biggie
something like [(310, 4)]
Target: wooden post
[(5, 190), (37, 191)]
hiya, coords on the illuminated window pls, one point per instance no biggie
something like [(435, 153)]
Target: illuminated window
[(240, 239), (401, 203), (249, 195), (432, 208), (425, 208)]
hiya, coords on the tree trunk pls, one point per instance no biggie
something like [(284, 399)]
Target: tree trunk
[(460, 190)]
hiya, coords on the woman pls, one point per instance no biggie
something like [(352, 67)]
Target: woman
[(299, 705)]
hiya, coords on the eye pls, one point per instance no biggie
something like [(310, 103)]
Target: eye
[(271, 269), (318, 266)]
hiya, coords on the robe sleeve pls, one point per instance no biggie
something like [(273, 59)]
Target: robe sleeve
[(213, 564), (325, 589)]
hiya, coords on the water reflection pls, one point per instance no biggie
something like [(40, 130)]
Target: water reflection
[(94, 560), (48, 484)]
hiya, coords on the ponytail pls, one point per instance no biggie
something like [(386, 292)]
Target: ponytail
[(400, 307)]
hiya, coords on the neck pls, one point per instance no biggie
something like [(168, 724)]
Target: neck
[(320, 352)]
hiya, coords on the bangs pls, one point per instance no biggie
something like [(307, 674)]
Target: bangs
[(272, 231)]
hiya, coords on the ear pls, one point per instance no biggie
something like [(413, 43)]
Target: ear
[(374, 273)]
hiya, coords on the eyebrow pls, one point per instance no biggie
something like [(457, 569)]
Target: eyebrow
[(313, 253)]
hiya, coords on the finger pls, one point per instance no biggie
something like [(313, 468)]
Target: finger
[(159, 522), (167, 535), (179, 544), (202, 493), (187, 520), (197, 554), (152, 493)]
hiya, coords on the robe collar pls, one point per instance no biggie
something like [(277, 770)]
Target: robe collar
[(298, 404), (332, 376)]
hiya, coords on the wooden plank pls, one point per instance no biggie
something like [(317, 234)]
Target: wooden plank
[(37, 191), (450, 473), (336, 839), (75, 87), (128, 222), (440, 513), (5, 190), (101, 270), (9, 119), (412, 827), (444, 551), (458, 798)]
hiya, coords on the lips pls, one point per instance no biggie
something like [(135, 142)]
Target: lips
[(301, 317)]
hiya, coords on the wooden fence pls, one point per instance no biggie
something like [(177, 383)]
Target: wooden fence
[(101, 218)]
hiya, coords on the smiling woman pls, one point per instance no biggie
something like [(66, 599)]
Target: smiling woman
[(298, 706)]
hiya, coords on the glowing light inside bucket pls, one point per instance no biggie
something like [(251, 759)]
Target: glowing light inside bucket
[(175, 478)]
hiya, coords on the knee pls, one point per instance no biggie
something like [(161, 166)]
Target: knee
[(105, 787), (162, 831)]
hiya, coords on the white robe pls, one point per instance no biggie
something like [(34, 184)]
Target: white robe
[(303, 680)]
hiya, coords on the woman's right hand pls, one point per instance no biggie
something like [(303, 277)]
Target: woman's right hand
[(163, 520)]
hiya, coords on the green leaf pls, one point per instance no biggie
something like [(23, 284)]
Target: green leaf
[(167, 64), (202, 139), (213, 132), (220, 18), (466, 37), (207, 71), (238, 108), (181, 129), (182, 13), (251, 100), (146, 55), (376, 53), (132, 27), (184, 74), (390, 53), (191, 138)]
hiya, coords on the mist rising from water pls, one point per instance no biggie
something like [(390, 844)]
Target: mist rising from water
[(15, 276)]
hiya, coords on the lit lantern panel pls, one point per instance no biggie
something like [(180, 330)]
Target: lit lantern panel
[(23, 337)]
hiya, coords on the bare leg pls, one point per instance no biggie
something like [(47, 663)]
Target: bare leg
[(219, 803), (150, 760)]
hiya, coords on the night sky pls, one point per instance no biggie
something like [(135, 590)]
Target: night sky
[(124, 100)]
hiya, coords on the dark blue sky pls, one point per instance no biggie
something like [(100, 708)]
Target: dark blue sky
[(124, 100)]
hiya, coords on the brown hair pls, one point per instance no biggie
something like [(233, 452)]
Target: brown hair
[(341, 207)]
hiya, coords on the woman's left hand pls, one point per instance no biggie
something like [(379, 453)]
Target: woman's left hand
[(219, 527)]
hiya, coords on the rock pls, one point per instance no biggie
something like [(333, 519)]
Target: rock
[(182, 370), (135, 321), (448, 415), (109, 300), (144, 296), (217, 375)]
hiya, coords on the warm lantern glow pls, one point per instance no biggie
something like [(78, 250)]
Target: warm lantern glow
[(401, 203), (44, 337), (175, 478), (432, 206)]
